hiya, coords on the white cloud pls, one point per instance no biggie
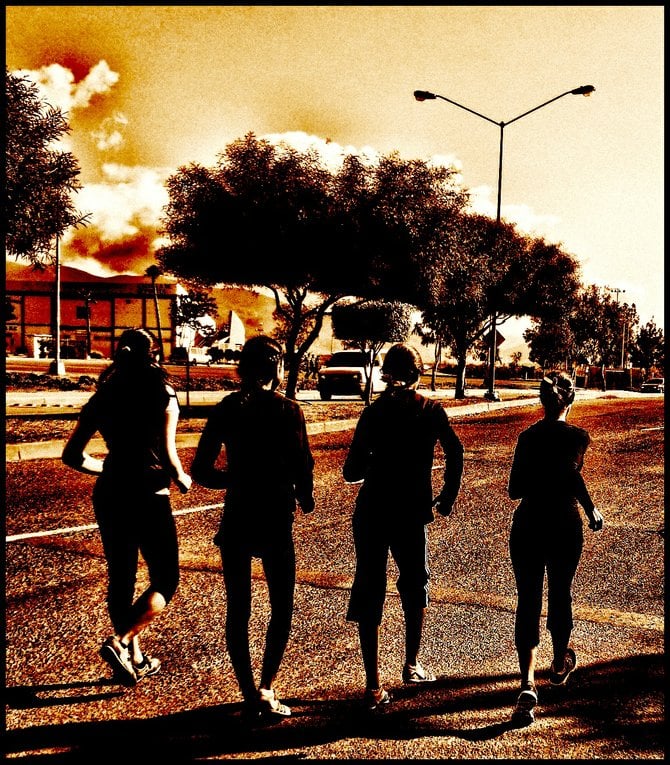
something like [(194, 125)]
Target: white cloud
[(127, 200), (57, 87), (523, 216), (333, 153), (110, 133)]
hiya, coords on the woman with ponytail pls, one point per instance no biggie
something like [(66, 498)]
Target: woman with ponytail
[(136, 412), (546, 534)]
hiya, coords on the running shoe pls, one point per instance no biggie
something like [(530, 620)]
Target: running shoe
[(149, 665), (569, 664), (117, 655), (376, 698), (524, 711)]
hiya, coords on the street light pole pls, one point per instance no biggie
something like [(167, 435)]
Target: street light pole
[(617, 291), (57, 367), (425, 95)]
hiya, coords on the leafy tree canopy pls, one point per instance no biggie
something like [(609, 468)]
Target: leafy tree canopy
[(39, 178)]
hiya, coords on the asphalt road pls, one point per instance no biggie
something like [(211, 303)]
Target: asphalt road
[(61, 704)]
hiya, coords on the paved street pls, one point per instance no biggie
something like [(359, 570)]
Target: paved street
[(61, 702)]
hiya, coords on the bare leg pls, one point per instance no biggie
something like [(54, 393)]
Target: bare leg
[(144, 611), (369, 637), (413, 632), (527, 660)]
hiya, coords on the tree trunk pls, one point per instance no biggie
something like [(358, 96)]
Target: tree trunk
[(459, 393), (438, 358)]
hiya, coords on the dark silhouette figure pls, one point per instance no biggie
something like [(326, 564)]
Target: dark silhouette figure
[(269, 467), (392, 455), (546, 535), (136, 411)]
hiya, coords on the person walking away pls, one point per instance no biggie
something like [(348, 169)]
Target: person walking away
[(136, 411), (546, 535), (391, 453), (269, 467)]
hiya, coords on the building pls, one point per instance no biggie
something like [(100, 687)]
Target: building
[(94, 310)]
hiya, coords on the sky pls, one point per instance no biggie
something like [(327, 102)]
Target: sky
[(149, 89)]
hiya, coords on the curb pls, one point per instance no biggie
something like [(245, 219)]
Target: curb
[(53, 449)]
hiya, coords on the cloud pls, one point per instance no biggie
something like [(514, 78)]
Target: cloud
[(57, 86), (125, 213), (110, 133), (523, 216)]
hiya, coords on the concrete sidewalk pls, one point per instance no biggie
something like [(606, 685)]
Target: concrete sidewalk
[(54, 401)]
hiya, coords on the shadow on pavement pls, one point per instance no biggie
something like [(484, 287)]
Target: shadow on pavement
[(617, 700)]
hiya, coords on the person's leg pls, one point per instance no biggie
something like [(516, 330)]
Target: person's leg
[(236, 564), (410, 552), (528, 564), (155, 526), (279, 569), (368, 592), (368, 633), (121, 550), (414, 618), (561, 569)]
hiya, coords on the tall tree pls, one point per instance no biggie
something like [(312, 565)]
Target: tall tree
[(269, 215), (648, 347), (368, 325), (39, 178), (478, 267)]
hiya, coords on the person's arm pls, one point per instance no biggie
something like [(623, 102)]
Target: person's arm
[(304, 481), (517, 486), (180, 477), (356, 463), (582, 493), (74, 454), (203, 467), (453, 471)]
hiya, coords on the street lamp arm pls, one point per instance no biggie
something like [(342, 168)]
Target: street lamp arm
[(584, 90), (424, 95)]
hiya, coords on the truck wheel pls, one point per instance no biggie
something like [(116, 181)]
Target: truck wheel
[(326, 395)]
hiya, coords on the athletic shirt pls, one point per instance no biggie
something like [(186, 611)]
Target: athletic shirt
[(268, 460), (547, 464), (131, 419), (392, 451)]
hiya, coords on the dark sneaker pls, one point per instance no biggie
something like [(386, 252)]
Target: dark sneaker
[(149, 665), (415, 673), (117, 655), (524, 711), (569, 664), (376, 698)]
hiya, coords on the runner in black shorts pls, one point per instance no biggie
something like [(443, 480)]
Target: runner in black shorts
[(392, 455)]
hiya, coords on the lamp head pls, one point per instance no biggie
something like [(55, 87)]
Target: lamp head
[(583, 90), (423, 95)]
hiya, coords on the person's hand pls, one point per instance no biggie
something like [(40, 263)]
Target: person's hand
[(443, 505), (184, 482), (306, 505), (595, 519)]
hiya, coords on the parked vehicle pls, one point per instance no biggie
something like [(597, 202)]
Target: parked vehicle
[(195, 356), (653, 385), (344, 374)]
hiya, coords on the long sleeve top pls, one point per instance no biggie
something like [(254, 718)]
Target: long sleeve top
[(547, 465), (392, 452), (269, 464)]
